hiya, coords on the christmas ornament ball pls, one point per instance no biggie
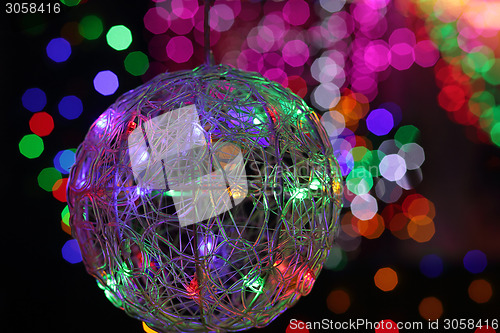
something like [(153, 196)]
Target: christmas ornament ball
[(205, 200)]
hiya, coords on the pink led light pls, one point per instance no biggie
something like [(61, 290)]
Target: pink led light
[(277, 75), (182, 26), (296, 12), (250, 60), (157, 20), (179, 49), (261, 39), (402, 56), (376, 31), (221, 17), (468, 44), (365, 15), (340, 25), (377, 4), (402, 35), (366, 85), (377, 56), (278, 27), (295, 53), (273, 60), (184, 9), (426, 53)]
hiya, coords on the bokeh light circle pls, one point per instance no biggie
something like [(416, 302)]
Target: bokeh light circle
[(380, 122), (392, 167), (179, 49), (34, 99), (58, 49), (475, 261), (106, 83), (364, 206)]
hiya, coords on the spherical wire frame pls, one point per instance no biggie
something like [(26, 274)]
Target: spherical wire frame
[(238, 268)]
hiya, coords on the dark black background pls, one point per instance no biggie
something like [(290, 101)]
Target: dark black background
[(41, 291)]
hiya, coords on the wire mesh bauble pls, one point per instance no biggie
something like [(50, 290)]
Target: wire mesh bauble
[(205, 200)]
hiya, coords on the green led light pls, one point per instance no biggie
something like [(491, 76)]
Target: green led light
[(136, 63), (359, 181), (358, 153), (495, 134), (255, 285), (479, 62), (406, 134), (492, 75), (31, 146), (300, 193), (110, 290), (315, 184), (257, 121), (70, 3), (119, 37), (90, 27), (371, 161), (337, 259), (450, 47), (47, 178), (172, 193), (65, 215)]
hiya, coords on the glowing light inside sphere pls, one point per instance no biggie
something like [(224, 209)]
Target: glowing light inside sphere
[(205, 200)]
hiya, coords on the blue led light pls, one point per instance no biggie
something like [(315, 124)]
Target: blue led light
[(58, 49), (431, 265), (70, 107), (71, 252), (34, 99), (64, 160), (475, 261)]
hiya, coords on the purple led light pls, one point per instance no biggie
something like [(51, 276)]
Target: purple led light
[(395, 110), (380, 122), (106, 83)]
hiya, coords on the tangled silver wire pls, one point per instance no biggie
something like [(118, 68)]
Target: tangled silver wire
[(179, 253)]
